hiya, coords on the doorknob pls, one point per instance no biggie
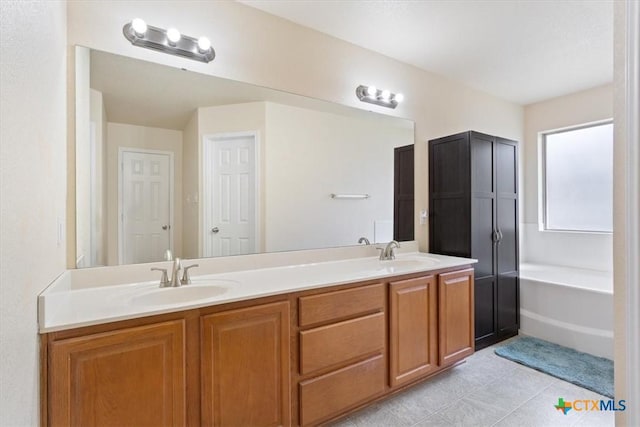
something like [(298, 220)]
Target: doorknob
[(166, 227), (215, 230)]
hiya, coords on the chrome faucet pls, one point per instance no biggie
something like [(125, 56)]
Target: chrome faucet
[(186, 279), (175, 273), (164, 280), (175, 280), (364, 240), (388, 253)]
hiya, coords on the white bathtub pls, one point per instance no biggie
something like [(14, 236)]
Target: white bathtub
[(568, 306)]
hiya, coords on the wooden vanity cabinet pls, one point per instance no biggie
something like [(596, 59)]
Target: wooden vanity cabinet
[(455, 316), (127, 377), (413, 329), (245, 367), (342, 354), (303, 358)]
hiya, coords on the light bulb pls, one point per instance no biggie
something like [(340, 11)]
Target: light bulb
[(399, 97), (204, 44), (385, 95), (372, 91), (139, 27), (173, 35)]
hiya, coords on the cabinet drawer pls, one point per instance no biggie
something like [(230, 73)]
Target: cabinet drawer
[(325, 346), (340, 304), (327, 396)]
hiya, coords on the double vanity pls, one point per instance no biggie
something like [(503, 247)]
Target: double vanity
[(278, 334), (280, 344)]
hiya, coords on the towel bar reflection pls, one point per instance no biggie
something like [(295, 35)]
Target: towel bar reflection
[(349, 196)]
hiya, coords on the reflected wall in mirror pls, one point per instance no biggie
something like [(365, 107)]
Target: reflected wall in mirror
[(168, 159)]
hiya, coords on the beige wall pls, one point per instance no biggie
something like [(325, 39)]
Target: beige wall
[(190, 190), (101, 188), (33, 169), (83, 158), (582, 250), (98, 215), (311, 154), (121, 135), (259, 48), (626, 220), (305, 155)]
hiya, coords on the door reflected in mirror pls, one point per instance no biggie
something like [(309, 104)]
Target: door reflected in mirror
[(168, 159)]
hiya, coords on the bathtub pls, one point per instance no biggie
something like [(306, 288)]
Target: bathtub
[(568, 306)]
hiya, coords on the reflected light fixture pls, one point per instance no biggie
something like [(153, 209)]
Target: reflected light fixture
[(168, 41), (379, 97)]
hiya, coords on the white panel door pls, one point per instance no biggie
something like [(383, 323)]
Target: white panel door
[(229, 196), (145, 206)]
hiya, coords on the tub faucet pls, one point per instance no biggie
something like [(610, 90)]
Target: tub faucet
[(388, 253), (364, 240)]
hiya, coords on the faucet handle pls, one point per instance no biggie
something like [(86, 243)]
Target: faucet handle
[(186, 279), (164, 279), (381, 252)]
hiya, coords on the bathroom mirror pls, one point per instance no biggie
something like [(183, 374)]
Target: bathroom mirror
[(169, 159)]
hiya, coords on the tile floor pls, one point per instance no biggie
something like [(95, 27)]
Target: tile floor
[(486, 391)]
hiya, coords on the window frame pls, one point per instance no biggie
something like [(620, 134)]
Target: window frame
[(542, 159)]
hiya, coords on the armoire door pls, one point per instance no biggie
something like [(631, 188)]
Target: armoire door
[(506, 160), (483, 236), (403, 194)]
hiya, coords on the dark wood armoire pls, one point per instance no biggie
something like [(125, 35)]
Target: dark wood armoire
[(473, 203)]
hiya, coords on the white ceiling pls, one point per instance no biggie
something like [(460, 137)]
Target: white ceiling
[(522, 51)]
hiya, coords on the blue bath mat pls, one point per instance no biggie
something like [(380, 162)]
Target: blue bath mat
[(582, 369)]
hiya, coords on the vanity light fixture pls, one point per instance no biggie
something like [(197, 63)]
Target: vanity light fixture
[(376, 96), (168, 41)]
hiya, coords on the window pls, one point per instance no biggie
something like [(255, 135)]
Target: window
[(578, 178)]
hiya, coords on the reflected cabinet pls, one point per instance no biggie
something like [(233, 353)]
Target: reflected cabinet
[(473, 202)]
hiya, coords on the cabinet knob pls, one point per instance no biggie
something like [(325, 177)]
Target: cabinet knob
[(214, 230)]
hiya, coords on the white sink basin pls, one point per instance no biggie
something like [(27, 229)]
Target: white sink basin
[(400, 263), (181, 295), (411, 261), (407, 263)]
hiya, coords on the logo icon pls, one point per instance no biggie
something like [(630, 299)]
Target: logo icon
[(563, 406)]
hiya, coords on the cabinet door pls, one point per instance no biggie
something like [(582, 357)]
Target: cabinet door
[(449, 201), (507, 247), (245, 367), (455, 316), (403, 194), (412, 329), (128, 377)]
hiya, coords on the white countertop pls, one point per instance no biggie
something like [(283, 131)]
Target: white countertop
[(63, 308)]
